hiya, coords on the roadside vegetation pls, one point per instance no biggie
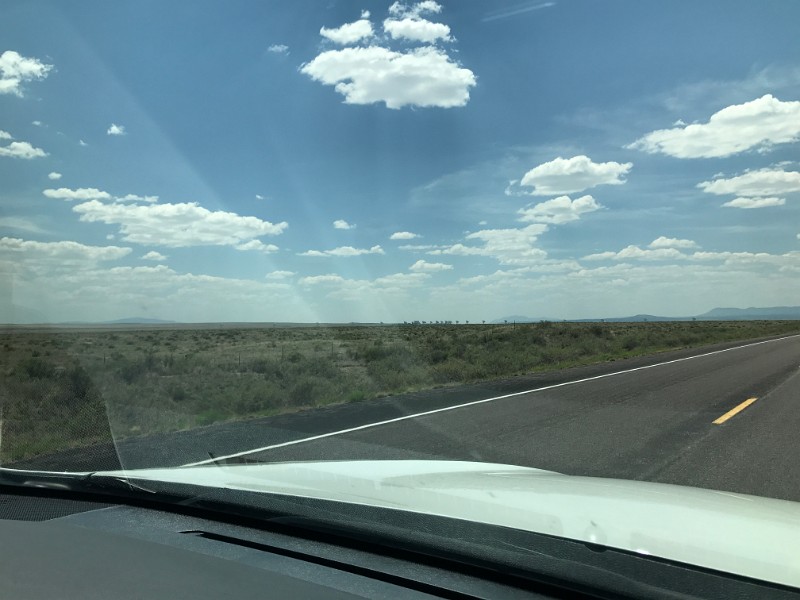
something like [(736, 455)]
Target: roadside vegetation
[(69, 387)]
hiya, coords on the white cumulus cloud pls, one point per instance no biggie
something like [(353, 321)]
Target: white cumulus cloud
[(403, 235), (349, 33), (53, 175), (115, 129), (279, 275), (344, 252), (316, 279), (415, 9), (154, 256), (762, 182), (755, 202), (559, 210), (571, 175), (508, 246), (637, 253), (60, 251), (257, 245), (178, 225), (417, 30), (665, 242), (422, 77), (278, 49), (758, 124), (78, 194), (92, 194), (22, 150), (422, 266), (16, 69), (342, 224)]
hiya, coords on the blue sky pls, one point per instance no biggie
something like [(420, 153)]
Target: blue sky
[(378, 161)]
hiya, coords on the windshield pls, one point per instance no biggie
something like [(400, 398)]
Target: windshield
[(554, 235)]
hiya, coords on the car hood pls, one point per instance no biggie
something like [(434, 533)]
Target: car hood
[(736, 533)]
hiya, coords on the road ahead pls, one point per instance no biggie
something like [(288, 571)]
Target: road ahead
[(649, 419)]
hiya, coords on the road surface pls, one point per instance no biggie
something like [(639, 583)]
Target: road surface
[(726, 418)]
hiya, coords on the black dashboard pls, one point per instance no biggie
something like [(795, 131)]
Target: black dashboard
[(60, 547)]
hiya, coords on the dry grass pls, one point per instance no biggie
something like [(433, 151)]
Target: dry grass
[(66, 387)]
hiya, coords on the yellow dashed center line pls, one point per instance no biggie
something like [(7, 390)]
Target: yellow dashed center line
[(734, 411)]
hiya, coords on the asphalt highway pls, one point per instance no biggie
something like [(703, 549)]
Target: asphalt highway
[(724, 417)]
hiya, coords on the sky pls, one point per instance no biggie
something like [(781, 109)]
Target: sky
[(366, 161)]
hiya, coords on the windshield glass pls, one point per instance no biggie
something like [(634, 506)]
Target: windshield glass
[(555, 235)]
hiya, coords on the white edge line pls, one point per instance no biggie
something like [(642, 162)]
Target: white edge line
[(473, 403)]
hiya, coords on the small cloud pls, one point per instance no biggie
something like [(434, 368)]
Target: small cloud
[(571, 175), (115, 129), (78, 194), (82, 143), (349, 33), (403, 235), (279, 275), (135, 198), (637, 253), (257, 245), (758, 124), (54, 175), (559, 210), (4, 135), (665, 242), (416, 10), (342, 224), (416, 29), (316, 279), (260, 197), (16, 69), (154, 256), (483, 223), (37, 123), (22, 150), (278, 49), (422, 266), (755, 202), (761, 183), (84, 194), (343, 252)]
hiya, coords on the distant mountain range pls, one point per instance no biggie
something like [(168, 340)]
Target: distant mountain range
[(138, 321), (125, 321), (779, 313)]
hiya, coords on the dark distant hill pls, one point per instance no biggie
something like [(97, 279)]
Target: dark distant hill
[(752, 313)]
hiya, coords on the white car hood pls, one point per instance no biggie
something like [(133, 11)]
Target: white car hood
[(746, 535)]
